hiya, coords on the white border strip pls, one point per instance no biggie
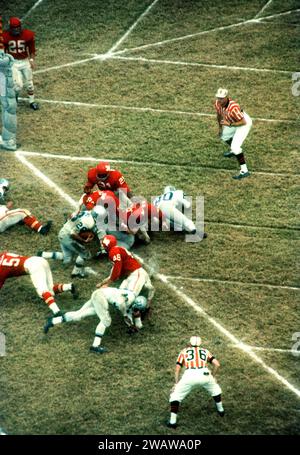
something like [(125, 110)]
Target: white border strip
[(263, 9), (125, 36), (148, 163), (240, 283), (31, 9), (259, 348), (184, 297), (150, 109), (205, 65)]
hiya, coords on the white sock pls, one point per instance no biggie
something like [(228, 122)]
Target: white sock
[(173, 417), (48, 254), (54, 308), (220, 406), (67, 287), (244, 168), (57, 320), (31, 98), (97, 341)]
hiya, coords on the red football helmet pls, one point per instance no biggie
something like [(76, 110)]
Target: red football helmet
[(102, 170), (15, 25), (108, 242)]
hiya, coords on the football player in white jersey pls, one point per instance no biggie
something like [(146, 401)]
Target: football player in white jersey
[(10, 217), (98, 305), (72, 243), (172, 203)]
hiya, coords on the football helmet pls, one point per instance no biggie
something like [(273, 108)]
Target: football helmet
[(195, 341), (15, 26), (102, 170), (140, 303), (108, 242), (4, 187), (169, 189)]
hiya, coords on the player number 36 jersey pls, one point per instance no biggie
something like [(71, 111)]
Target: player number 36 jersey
[(194, 357)]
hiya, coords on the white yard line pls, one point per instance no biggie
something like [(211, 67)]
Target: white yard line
[(263, 9), (244, 348), (146, 163), (205, 65), (125, 36), (31, 9), (259, 348), (240, 283), (100, 57), (45, 179), (205, 32), (151, 110)]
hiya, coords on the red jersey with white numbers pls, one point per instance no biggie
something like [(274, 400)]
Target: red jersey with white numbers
[(114, 180), (11, 265), (194, 357), (21, 46), (231, 112), (142, 213), (123, 263)]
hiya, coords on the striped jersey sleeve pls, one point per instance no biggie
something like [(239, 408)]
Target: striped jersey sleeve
[(194, 357)]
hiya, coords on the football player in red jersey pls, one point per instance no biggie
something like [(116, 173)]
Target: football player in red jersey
[(106, 179), (20, 43), (14, 265), (125, 266)]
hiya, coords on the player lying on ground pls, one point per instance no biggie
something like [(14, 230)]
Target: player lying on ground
[(10, 217), (14, 265), (98, 305)]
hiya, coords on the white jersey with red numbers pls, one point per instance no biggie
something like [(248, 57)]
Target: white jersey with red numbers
[(11, 265), (232, 112)]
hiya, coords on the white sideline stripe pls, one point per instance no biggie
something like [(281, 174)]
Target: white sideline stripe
[(243, 347), (146, 163), (240, 283), (262, 9), (125, 36), (181, 38), (206, 65), (164, 280), (260, 348), (101, 57), (150, 109), (45, 179), (31, 9)]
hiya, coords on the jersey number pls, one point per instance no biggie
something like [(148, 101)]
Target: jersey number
[(13, 261), (191, 353), (16, 47)]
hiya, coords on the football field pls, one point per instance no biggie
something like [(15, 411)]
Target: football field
[(134, 83)]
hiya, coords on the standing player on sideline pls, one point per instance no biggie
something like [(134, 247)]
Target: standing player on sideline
[(234, 126), (196, 374), (14, 265), (125, 266), (20, 43)]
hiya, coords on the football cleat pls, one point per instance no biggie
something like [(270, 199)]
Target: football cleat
[(98, 349), (171, 425), (221, 413), (34, 106), (48, 325), (241, 175), (46, 228), (228, 154), (74, 292), (39, 253)]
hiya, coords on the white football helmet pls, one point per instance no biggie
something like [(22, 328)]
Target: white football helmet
[(169, 189), (140, 303), (4, 187)]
